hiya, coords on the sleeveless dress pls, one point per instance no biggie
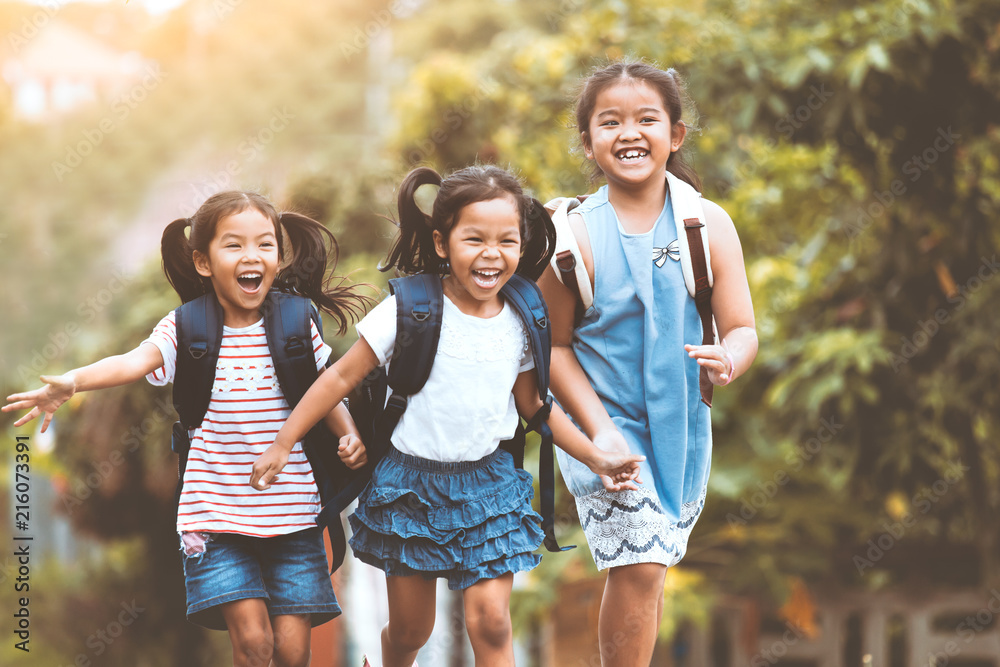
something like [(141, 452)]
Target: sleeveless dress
[(631, 343)]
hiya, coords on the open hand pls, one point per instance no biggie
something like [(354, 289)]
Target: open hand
[(352, 451), (267, 466), (715, 359), (46, 400)]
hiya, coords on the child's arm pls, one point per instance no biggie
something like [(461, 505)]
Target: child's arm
[(731, 303), (109, 372), (617, 470), (568, 381), (329, 389), (350, 450)]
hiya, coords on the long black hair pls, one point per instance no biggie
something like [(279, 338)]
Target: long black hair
[(314, 252), (414, 251)]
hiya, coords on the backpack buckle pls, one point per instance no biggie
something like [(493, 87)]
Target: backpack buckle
[(420, 312), (294, 346), (542, 322), (198, 350), (396, 404)]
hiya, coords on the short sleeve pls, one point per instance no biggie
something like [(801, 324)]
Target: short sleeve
[(378, 328), (164, 337), (320, 348)]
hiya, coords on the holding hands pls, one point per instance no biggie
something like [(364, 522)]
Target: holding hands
[(274, 459), (43, 401), (616, 466)]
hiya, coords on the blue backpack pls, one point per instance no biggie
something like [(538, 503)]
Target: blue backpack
[(289, 340), (419, 306)]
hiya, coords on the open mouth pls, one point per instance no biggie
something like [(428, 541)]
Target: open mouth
[(486, 278), (250, 281), (627, 155)]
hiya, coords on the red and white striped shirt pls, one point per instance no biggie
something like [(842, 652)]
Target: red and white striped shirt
[(245, 413)]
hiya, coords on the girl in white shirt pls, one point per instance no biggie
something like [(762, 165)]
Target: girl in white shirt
[(447, 501)]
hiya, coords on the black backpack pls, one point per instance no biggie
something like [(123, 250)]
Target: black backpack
[(289, 340), (419, 306)]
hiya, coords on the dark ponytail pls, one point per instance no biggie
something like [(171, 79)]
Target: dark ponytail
[(413, 251), (538, 241), (178, 262), (314, 254)]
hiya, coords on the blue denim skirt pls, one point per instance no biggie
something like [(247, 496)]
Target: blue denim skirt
[(463, 521)]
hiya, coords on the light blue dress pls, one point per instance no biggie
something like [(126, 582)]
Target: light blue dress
[(631, 346)]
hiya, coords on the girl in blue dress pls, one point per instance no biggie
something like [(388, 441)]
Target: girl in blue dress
[(628, 373)]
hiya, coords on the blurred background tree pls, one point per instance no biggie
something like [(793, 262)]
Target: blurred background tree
[(854, 144)]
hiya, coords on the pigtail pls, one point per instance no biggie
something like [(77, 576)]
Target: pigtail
[(178, 262), (314, 253), (413, 251), (538, 241)]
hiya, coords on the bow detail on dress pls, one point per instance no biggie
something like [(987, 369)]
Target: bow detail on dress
[(660, 254)]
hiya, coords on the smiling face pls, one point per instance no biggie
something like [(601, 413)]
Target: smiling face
[(242, 262), (631, 135), (483, 249)]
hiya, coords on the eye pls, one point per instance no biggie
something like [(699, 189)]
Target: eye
[(609, 123), (510, 241), (648, 120), (474, 239), (232, 245)]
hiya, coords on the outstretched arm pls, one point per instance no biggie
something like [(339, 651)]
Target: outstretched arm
[(731, 303), (109, 372), (323, 396), (617, 470)]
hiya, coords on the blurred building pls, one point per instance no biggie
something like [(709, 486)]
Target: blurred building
[(61, 68)]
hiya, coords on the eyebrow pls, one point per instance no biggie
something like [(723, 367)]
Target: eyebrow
[(614, 110), (240, 236)]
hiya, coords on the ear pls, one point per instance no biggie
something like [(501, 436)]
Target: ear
[(201, 264), (677, 134), (588, 148), (440, 244)]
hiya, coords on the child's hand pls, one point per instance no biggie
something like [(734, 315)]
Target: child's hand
[(617, 471), (716, 359), (57, 390), (617, 467), (352, 451), (267, 466)]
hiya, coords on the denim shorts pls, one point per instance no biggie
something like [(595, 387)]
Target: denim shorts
[(289, 572)]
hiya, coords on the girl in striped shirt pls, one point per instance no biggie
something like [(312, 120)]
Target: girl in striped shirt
[(254, 562)]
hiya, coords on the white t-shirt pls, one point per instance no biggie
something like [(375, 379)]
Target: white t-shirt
[(244, 414), (466, 408)]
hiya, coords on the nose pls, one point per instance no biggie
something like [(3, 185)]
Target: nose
[(251, 253), (491, 251), (630, 131)]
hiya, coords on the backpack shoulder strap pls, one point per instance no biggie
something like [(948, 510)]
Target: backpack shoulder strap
[(696, 262), (419, 305), (526, 299), (199, 337), (686, 204), (567, 260), (289, 339)]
